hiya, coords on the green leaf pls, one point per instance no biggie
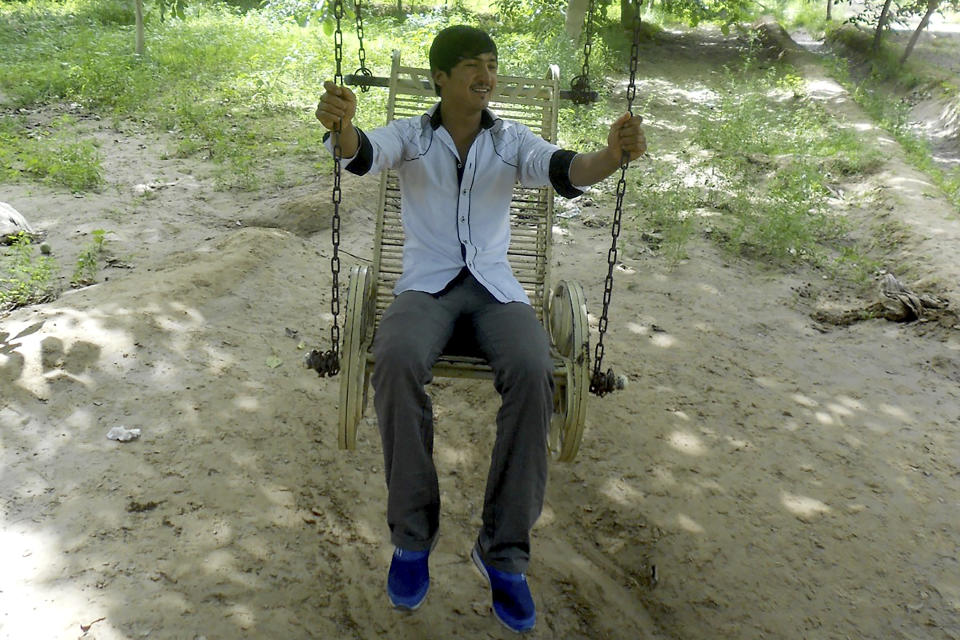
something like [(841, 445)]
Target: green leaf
[(273, 362)]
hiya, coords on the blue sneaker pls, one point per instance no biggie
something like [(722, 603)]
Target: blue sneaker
[(409, 578), (512, 601)]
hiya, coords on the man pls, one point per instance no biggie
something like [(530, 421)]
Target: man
[(458, 164)]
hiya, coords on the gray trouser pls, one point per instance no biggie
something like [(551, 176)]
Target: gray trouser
[(412, 334)]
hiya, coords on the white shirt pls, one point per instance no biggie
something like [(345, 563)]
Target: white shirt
[(458, 214)]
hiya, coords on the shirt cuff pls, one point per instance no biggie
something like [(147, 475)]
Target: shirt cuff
[(360, 162), (560, 163)]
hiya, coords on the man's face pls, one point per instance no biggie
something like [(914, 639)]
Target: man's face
[(470, 83)]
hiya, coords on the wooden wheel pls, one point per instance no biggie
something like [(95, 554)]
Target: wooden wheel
[(570, 335), (358, 332)]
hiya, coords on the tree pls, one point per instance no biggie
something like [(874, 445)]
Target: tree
[(140, 39), (928, 8), (881, 24)]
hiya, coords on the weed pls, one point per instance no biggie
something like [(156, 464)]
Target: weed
[(51, 154), (894, 117), (666, 206), (74, 164), (25, 276), (88, 262), (773, 151)]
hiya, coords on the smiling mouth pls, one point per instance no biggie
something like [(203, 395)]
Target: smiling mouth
[(483, 90)]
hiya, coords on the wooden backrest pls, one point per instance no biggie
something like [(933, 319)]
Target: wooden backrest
[(526, 100)]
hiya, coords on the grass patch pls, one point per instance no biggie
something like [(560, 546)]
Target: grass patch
[(88, 262), (26, 275), (53, 154), (753, 174), (879, 70)]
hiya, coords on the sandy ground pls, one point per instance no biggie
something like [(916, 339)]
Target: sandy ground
[(787, 478)]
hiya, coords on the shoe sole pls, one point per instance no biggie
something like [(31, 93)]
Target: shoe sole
[(404, 607), (475, 556), (399, 606)]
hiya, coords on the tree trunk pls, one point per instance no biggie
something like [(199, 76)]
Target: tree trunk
[(140, 43), (884, 16), (576, 10), (829, 7), (932, 5), (626, 14)]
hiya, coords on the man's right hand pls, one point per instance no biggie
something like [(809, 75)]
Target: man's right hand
[(338, 104)]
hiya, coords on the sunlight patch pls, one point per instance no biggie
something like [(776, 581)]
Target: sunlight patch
[(801, 399), (803, 506), (622, 492), (687, 443), (840, 410), (689, 524), (243, 616), (246, 403), (895, 412), (663, 340), (851, 403), (34, 605), (824, 88), (637, 328)]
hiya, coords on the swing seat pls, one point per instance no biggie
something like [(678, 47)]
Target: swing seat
[(562, 309)]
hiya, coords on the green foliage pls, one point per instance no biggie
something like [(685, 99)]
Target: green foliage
[(803, 14), (74, 164), (88, 262), (726, 13), (670, 206), (540, 15), (894, 117), (25, 276), (756, 175), (54, 154), (238, 89)]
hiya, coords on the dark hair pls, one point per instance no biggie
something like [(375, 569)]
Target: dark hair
[(457, 43)]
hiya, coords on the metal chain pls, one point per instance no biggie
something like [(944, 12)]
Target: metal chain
[(603, 383), (588, 41), (363, 70), (328, 362), (580, 85)]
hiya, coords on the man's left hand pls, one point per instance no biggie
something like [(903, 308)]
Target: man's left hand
[(626, 136)]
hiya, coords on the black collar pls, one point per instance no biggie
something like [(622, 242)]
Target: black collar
[(486, 119)]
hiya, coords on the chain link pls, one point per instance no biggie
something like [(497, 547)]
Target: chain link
[(338, 41), (603, 383), (588, 41), (328, 362), (363, 70), (580, 85)]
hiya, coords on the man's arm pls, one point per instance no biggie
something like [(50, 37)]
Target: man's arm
[(336, 108), (625, 136)]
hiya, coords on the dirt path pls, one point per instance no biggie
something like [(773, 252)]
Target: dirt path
[(787, 479)]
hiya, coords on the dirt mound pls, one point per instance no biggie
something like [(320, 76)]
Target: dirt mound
[(303, 215)]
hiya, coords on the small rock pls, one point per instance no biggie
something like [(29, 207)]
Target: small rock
[(122, 434)]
